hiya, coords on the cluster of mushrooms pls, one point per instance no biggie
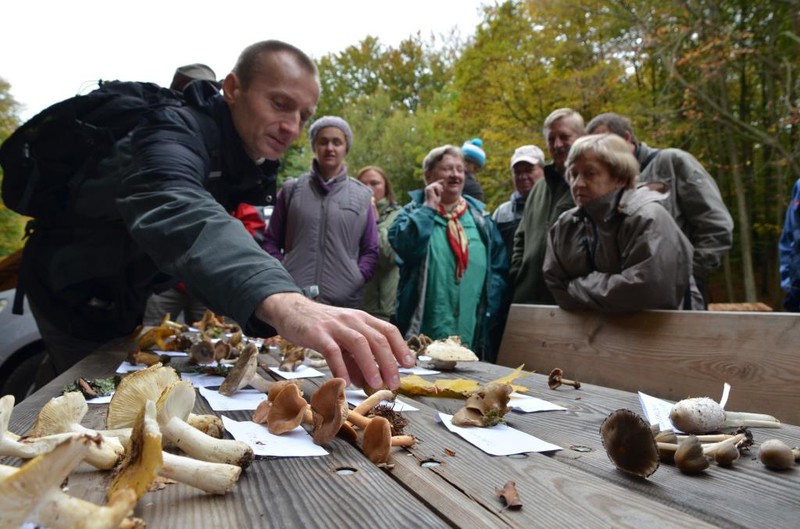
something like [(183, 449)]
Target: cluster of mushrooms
[(150, 411), (636, 447)]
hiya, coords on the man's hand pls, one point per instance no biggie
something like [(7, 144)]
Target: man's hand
[(358, 347)]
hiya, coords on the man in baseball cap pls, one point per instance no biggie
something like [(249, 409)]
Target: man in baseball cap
[(527, 168)]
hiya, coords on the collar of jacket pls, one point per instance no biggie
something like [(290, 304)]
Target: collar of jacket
[(603, 209), (326, 185), (554, 177)]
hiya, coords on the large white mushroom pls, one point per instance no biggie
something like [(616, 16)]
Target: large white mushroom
[(445, 354), (33, 493), (701, 415)]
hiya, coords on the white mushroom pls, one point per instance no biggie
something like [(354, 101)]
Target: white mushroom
[(444, 354), (703, 415), (174, 406), (34, 493)]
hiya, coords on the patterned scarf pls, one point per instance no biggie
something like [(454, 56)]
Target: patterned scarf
[(456, 236)]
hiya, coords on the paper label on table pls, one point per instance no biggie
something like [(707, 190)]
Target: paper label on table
[(499, 440), (302, 372), (202, 380), (244, 399), (171, 353), (417, 371), (357, 396), (296, 443), (528, 404), (726, 392), (656, 411), (103, 399), (127, 367)]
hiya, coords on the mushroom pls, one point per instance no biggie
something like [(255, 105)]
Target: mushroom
[(33, 492), (329, 409), (202, 352), (174, 406), (690, 457), (485, 407), (155, 338), (146, 457), (703, 415), (148, 384), (776, 455), (147, 358), (726, 455), (284, 410), (143, 459), (375, 398), (244, 373), (629, 443), (292, 356), (378, 441), (65, 413), (101, 454), (556, 379), (444, 354)]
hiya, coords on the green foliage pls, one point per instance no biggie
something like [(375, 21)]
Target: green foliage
[(12, 226)]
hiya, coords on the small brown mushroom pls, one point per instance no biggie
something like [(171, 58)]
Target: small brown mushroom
[(776, 455), (244, 373), (284, 410), (378, 441), (689, 457), (629, 443), (329, 408), (556, 379), (726, 455), (485, 407)]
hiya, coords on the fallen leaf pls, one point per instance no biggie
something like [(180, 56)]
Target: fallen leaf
[(449, 452), (509, 495)]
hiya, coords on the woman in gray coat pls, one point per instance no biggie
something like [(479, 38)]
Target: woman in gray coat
[(618, 250)]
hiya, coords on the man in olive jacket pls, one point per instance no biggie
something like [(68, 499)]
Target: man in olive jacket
[(159, 210), (548, 199)]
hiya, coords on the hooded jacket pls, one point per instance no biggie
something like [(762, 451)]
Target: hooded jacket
[(158, 211), (623, 252), (694, 201)]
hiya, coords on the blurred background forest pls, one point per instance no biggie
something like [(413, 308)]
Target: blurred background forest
[(719, 79)]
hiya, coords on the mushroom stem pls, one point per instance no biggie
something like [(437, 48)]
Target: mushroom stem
[(403, 440), (373, 400), (756, 420), (214, 478), (709, 438), (357, 419), (708, 449)]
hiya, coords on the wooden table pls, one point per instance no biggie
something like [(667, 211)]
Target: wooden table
[(569, 488)]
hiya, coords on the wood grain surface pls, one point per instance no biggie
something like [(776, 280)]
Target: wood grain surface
[(668, 354)]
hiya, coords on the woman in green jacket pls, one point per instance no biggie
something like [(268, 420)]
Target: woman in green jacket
[(453, 269)]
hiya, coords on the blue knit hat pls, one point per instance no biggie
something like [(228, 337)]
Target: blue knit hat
[(331, 121), (473, 151)]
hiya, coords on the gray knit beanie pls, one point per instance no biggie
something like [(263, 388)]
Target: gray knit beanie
[(331, 121)]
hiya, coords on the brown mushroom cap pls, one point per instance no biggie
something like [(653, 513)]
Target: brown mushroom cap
[(287, 410), (629, 443), (377, 441), (242, 371), (689, 457), (554, 379), (329, 408)]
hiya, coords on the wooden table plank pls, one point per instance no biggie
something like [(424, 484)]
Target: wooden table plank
[(747, 495)]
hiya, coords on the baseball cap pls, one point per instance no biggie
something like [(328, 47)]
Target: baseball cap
[(528, 153)]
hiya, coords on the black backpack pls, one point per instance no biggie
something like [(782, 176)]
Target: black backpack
[(61, 146)]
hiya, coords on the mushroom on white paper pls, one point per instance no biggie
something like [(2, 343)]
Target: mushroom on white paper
[(445, 354)]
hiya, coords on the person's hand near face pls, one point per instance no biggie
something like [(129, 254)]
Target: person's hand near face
[(445, 182)]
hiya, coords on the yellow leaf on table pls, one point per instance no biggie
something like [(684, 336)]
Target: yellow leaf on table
[(458, 388)]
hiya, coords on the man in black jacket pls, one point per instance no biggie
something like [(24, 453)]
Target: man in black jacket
[(159, 210)]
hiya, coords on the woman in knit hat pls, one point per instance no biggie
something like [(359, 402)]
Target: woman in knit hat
[(323, 226), (453, 271)]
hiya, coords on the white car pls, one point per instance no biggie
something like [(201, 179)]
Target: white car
[(22, 351)]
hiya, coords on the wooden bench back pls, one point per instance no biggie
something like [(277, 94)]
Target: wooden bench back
[(666, 354)]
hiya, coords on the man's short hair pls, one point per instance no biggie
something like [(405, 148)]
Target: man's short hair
[(251, 59), (562, 113), (615, 123), (611, 150)]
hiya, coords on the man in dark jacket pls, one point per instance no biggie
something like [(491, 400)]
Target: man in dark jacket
[(159, 210)]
